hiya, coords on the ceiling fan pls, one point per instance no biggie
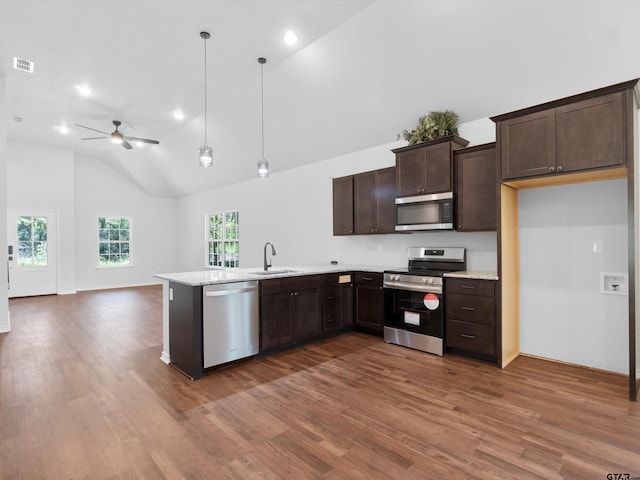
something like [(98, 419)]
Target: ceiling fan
[(117, 137)]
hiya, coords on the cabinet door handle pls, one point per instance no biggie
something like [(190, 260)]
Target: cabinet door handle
[(469, 309), (559, 169), (464, 335), (367, 279), (330, 298), (468, 287), (552, 169)]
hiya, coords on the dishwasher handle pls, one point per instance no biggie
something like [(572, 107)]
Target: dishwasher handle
[(235, 291)]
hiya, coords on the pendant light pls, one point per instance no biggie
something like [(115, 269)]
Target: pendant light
[(205, 152), (263, 165)]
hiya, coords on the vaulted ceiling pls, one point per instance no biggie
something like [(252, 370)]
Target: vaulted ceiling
[(362, 72)]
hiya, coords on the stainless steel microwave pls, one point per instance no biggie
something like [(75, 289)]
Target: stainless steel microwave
[(425, 212)]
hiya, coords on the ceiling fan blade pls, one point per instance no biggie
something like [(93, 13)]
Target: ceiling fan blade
[(89, 128), (93, 138), (126, 144), (143, 140)]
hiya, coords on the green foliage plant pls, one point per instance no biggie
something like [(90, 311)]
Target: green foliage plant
[(432, 126)]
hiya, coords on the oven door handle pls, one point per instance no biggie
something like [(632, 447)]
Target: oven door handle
[(413, 287)]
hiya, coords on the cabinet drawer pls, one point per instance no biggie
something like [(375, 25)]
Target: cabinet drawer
[(470, 308), (470, 337), (330, 279), (290, 284), (368, 277), (469, 286)]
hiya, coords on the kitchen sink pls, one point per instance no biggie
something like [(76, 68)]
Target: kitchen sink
[(272, 272)]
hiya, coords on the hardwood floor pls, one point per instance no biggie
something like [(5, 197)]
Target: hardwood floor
[(83, 394)]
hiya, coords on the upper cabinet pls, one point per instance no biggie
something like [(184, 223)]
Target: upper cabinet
[(365, 203), (426, 167), (576, 134), (374, 201), (476, 188), (343, 205)]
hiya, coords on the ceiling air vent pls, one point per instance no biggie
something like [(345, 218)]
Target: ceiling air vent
[(23, 65), (17, 119)]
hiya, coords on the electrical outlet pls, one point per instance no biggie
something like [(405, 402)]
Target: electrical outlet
[(597, 246)]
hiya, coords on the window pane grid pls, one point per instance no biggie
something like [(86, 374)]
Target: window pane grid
[(223, 249), (114, 241), (32, 241)]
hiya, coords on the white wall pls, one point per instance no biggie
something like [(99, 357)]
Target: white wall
[(5, 324), (293, 210), (80, 189), (41, 178), (563, 315), (102, 191)]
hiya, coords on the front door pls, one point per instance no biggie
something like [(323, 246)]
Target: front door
[(32, 253)]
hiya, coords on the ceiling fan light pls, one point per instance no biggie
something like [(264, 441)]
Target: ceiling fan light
[(116, 138), (205, 155), (263, 168)]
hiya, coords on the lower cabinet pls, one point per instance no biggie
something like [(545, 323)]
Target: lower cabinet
[(185, 328), (290, 310), (368, 302), (470, 317), (337, 307), (345, 302)]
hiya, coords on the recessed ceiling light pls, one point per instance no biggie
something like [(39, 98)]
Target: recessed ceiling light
[(84, 90), (138, 144), (178, 114), (63, 129), (290, 38)]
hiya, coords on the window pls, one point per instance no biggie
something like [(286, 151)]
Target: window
[(32, 241), (223, 239), (114, 241)]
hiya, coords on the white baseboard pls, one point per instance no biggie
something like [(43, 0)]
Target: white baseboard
[(111, 287), (6, 328), (165, 358)]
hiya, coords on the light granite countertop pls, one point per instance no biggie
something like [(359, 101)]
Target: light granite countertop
[(228, 275), (474, 274)]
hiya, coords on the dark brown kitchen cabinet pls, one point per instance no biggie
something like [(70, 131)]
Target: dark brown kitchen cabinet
[(571, 135), (427, 167), (185, 329), (374, 201), (345, 303), (476, 188), (290, 310), (337, 308), (470, 317), (368, 302), (343, 205)]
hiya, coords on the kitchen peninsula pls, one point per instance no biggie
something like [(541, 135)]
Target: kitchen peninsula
[(297, 304)]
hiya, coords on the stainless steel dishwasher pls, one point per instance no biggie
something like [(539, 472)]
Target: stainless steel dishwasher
[(230, 322)]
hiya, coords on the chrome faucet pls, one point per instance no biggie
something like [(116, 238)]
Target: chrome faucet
[(273, 252)]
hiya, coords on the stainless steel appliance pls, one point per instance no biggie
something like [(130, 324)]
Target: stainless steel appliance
[(230, 322), (414, 298), (424, 212)]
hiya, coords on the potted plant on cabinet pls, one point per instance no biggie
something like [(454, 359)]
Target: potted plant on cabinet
[(433, 126)]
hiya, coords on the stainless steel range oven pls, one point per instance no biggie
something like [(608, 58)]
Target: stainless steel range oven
[(414, 299)]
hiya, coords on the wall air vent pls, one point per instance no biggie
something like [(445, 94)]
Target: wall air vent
[(17, 119), (23, 65)]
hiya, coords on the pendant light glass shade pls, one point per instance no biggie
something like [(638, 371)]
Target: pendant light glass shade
[(263, 168), (263, 165), (205, 156), (205, 153)]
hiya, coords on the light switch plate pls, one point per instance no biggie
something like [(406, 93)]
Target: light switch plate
[(597, 246)]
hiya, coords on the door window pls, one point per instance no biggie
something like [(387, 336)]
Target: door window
[(32, 241)]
